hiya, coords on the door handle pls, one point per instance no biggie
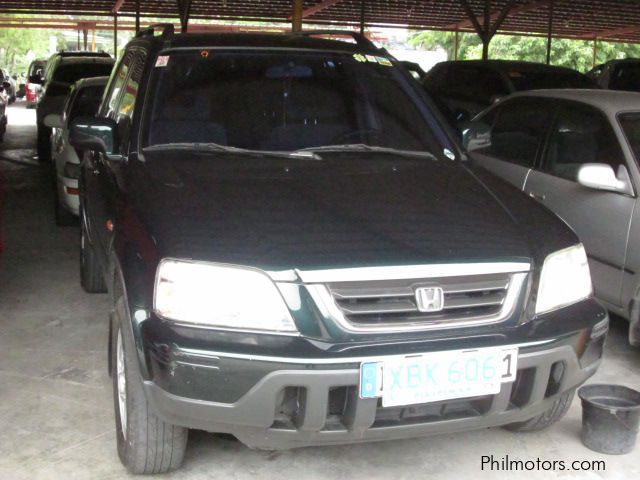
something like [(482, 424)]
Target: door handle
[(537, 196)]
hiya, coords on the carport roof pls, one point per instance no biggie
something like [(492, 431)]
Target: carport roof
[(617, 20)]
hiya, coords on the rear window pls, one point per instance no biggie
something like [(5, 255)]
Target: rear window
[(86, 102), (37, 69), (626, 77), (74, 72), (540, 80)]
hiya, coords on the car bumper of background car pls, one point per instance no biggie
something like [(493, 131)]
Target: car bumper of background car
[(69, 194), (303, 403)]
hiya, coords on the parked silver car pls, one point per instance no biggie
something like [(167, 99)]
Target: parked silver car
[(577, 152), (83, 100)]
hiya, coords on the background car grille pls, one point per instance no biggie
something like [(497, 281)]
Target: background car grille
[(380, 303)]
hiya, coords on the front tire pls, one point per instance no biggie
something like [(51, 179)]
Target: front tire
[(91, 277), (557, 410), (146, 444)]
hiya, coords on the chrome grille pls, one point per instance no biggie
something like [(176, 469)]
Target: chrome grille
[(384, 304)]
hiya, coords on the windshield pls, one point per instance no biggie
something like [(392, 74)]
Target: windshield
[(541, 79), (73, 72), (630, 123), (285, 101)]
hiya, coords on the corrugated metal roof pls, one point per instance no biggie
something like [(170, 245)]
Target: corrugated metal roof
[(605, 19)]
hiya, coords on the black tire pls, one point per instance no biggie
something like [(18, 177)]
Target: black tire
[(557, 410), (64, 218), (146, 444), (91, 277), (44, 143)]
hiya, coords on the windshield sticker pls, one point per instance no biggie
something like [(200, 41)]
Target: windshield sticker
[(359, 57), (384, 61), (162, 60), (371, 58)]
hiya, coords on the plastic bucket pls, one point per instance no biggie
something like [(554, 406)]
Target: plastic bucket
[(610, 418)]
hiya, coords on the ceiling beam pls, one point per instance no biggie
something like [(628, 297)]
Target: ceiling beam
[(611, 32), (527, 7), (307, 12), (117, 6)]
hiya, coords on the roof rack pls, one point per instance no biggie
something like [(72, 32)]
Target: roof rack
[(150, 31), (359, 38)]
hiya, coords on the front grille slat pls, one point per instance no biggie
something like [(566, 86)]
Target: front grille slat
[(392, 304), (379, 307), (471, 302)]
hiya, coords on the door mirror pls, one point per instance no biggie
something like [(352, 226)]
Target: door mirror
[(601, 176), (475, 135), (95, 134), (54, 120)]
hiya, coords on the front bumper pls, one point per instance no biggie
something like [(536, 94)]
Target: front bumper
[(307, 402)]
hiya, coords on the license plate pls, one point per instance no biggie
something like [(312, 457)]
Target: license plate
[(432, 377)]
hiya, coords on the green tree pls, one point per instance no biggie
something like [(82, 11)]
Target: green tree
[(576, 54), (16, 43)]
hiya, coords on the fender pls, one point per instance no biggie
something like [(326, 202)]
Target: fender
[(122, 307)]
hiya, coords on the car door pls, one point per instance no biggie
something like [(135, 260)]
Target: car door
[(94, 202), (518, 129), (110, 171), (583, 134)]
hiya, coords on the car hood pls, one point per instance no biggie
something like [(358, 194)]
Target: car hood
[(339, 212)]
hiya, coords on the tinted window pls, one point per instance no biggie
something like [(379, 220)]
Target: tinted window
[(116, 83), (74, 72), (476, 83), (545, 79), (581, 134), (518, 130), (86, 102), (630, 123), (285, 101), (626, 76)]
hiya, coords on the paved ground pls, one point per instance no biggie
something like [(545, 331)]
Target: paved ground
[(56, 414)]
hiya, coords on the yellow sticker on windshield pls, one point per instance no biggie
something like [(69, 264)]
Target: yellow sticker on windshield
[(359, 57)]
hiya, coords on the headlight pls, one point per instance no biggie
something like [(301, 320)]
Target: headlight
[(220, 296), (565, 279)]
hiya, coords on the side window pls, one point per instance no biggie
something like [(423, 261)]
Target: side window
[(581, 134), (130, 90), (519, 130), (115, 85)]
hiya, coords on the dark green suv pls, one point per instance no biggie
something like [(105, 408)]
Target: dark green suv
[(299, 254)]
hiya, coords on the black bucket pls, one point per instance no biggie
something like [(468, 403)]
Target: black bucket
[(610, 418)]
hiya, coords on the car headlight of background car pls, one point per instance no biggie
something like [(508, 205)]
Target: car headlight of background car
[(220, 295), (565, 279)]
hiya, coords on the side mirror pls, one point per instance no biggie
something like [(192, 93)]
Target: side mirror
[(94, 134), (54, 120), (475, 135), (601, 176)]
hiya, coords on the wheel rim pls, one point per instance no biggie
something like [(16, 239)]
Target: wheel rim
[(122, 385)]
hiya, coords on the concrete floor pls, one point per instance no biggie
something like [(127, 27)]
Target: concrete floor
[(56, 412)]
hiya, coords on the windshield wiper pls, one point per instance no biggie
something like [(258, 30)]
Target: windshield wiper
[(216, 147), (361, 147)]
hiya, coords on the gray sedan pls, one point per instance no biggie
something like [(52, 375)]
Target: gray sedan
[(577, 152)]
